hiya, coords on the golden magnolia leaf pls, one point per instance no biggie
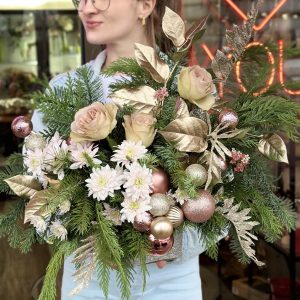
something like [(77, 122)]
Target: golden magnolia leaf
[(147, 58), (188, 134), (181, 109), (173, 27), (33, 207), (23, 185), (274, 148), (142, 99)]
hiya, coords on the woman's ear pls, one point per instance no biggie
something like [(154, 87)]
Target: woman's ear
[(146, 8)]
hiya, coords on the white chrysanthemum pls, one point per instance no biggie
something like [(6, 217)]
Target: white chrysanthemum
[(39, 223), (64, 207), (34, 160), (103, 182), (112, 214), (82, 154), (56, 156), (58, 230), (138, 181), (132, 208), (129, 152), (180, 196)]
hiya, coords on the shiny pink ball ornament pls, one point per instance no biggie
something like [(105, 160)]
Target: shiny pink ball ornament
[(160, 181), (143, 222), (160, 247), (21, 127), (201, 209), (229, 117)]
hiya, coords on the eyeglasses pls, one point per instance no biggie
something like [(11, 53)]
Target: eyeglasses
[(101, 5)]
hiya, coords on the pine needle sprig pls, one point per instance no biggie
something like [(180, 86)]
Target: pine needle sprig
[(82, 214), (49, 286), (60, 103), (268, 114), (110, 252)]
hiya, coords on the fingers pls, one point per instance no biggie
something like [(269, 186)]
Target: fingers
[(161, 264)]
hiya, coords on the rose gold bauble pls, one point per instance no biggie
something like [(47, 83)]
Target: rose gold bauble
[(160, 204), (160, 181), (21, 126), (230, 117), (143, 222), (198, 173), (200, 209), (175, 216), (160, 247), (161, 228)]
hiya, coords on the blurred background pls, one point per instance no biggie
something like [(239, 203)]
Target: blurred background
[(42, 38)]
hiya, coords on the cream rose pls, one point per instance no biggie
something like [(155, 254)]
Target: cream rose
[(140, 127), (195, 85), (94, 122)]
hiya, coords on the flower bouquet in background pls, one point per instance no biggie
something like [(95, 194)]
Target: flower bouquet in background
[(116, 182)]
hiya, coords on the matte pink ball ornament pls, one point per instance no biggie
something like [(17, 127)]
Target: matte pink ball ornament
[(143, 222), (201, 209), (21, 126), (229, 117), (160, 181), (160, 246)]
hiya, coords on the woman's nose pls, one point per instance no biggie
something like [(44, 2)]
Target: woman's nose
[(88, 7)]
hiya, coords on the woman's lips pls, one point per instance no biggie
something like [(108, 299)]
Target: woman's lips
[(92, 24)]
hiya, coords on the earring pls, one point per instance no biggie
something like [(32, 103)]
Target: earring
[(143, 21)]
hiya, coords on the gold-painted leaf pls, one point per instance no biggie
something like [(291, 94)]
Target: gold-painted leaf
[(181, 109), (173, 27), (189, 134), (274, 148), (33, 207), (142, 99), (23, 185), (148, 59)]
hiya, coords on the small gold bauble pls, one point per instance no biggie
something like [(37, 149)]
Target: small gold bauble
[(228, 117), (176, 216), (160, 204), (198, 173), (161, 228)]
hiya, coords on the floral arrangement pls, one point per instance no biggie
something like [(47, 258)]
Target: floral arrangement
[(115, 182)]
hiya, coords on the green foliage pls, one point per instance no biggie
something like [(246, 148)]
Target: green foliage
[(70, 188), (210, 233), (167, 113), (13, 167), (60, 103), (82, 214), (254, 189), (11, 226), (109, 252), (49, 286), (135, 75), (268, 115), (136, 248)]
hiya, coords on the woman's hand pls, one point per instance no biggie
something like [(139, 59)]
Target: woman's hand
[(161, 264)]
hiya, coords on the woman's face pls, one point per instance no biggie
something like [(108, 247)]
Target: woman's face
[(121, 21)]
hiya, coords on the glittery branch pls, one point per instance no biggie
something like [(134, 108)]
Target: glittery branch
[(236, 41)]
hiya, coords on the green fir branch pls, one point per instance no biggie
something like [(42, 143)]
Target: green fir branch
[(268, 115), (109, 251), (49, 286), (60, 103)]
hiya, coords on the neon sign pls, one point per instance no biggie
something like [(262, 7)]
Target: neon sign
[(270, 55)]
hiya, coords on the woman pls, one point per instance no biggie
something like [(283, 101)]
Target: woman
[(118, 24)]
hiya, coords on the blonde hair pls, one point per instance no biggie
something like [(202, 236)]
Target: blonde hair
[(154, 23)]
